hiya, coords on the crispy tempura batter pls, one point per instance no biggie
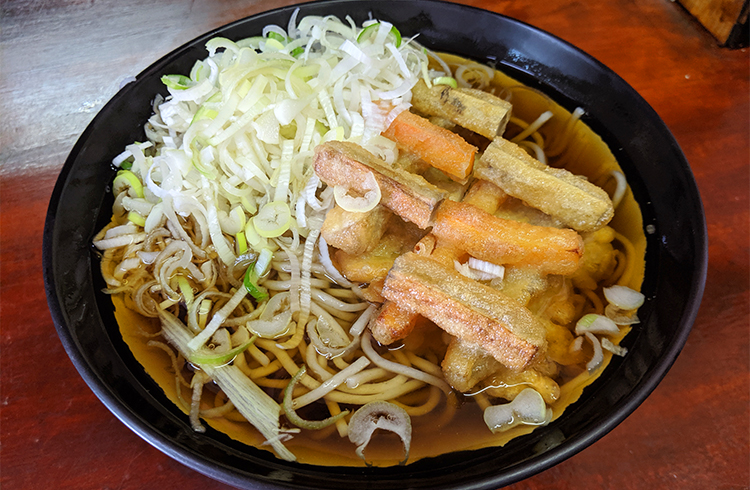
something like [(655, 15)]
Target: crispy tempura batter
[(368, 267), (504, 383), (441, 148), (484, 114), (500, 241), (557, 192), (394, 323), (355, 233), (465, 364), (466, 309), (406, 194)]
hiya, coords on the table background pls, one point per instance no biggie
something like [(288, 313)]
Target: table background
[(61, 60)]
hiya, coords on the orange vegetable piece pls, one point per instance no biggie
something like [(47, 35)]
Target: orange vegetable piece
[(437, 146)]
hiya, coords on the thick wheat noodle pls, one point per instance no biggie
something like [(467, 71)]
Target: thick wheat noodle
[(390, 394), (627, 274), (279, 285), (595, 301), (258, 354), (295, 340), (340, 363), (341, 426), (400, 357), (325, 299), (429, 405), (622, 263), (267, 370), (267, 382), (424, 364), (218, 410), (312, 359), (341, 315), (538, 139), (375, 388), (287, 362), (367, 376), (396, 368), (342, 293), (532, 128), (330, 384)]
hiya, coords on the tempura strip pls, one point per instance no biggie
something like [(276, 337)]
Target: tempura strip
[(573, 200), (406, 194), (507, 242), (395, 323), (355, 233), (437, 146), (486, 114), (465, 364), (392, 323), (466, 309)]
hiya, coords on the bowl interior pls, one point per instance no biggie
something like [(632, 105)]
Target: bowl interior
[(651, 159)]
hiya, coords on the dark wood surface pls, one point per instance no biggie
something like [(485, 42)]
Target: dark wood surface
[(62, 60)]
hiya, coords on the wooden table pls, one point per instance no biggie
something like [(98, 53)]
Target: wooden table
[(61, 61)]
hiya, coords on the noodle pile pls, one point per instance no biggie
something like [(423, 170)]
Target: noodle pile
[(188, 229)]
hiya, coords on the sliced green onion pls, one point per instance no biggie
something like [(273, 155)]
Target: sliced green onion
[(297, 51), (251, 401), (296, 419), (221, 42), (251, 283), (273, 219), (204, 113), (252, 237), (126, 165), (186, 290), (445, 81), (136, 218), (210, 359), (126, 178), (176, 82), (203, 311), (263, 262), (372, 28), (241, 242), (273, 44), (278, 37)]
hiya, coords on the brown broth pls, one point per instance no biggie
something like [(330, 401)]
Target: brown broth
[(434, 433)]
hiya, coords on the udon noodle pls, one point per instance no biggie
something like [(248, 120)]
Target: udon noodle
[(219, 305)]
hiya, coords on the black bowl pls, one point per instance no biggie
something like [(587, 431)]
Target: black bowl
[(676, 255)]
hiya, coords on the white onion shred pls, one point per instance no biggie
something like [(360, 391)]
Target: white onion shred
[(624, 297), (598, 356), (379, 415), (613, 348), (527, 408)]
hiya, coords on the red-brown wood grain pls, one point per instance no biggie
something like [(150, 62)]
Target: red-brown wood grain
[(60, 61)]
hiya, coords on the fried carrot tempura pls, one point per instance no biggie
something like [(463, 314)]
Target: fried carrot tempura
[(437, 146), (557, 192), (408, 195), (466, 309), (500, 241), (484, 114), (395, 323), (392, 323)]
